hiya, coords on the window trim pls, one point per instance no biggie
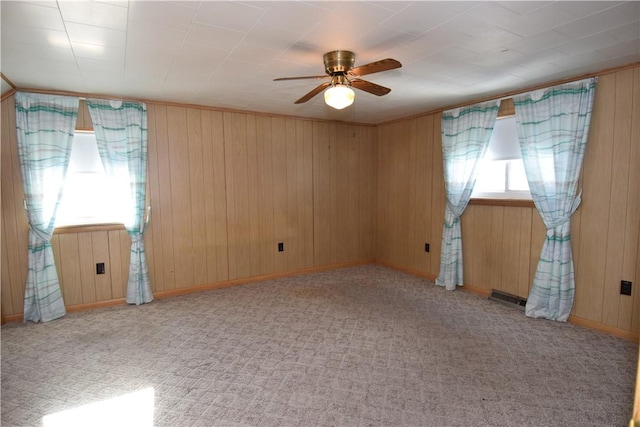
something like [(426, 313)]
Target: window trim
[(87, 228), (519, 203)]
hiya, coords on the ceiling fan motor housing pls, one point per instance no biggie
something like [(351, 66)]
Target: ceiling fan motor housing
[(339, 61)]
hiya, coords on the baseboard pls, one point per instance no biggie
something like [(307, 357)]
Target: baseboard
[(484, 293), (12, 318), (611, 330), (418, 273), (252, 279), (576, 320), (18, 317)]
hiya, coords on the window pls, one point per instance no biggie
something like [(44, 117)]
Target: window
[(501, 173), (89, 196)]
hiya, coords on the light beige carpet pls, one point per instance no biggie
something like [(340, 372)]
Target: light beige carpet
[(357, 346)]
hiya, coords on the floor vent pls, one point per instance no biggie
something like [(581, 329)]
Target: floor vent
[(507, 298)]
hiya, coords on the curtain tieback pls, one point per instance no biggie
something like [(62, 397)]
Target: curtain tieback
[(450, 215), (565, 218)]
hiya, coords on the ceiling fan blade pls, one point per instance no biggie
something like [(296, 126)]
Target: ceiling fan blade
[(370, 87), (313, 93), (300, 78), (375, 67)]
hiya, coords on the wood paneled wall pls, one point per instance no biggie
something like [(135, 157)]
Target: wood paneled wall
[(225, 189), (501, 244), (410, 193)]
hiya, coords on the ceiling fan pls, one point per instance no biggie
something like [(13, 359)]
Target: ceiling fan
[(339, 66)]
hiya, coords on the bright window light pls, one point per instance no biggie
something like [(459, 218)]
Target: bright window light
[(89, 196), (501, 173), (133, 409)]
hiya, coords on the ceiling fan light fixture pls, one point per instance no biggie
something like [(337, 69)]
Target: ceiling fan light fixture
[(339, 96)]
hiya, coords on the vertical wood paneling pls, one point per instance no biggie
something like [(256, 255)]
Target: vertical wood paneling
[(162, 203), (423, 158), (7, 302), (344, 164), (334, 183), (497, 251), (153, 234), (87, 268), (322, 193), (180, 196), (10, 259), (468, 250), (280, 218), (576, 220), (69, 269), (630, 306), (400, 197), (14, 222), (115, 266), (409, 193), (292, 245), (511, 247), (618, 198), (595, 202), (413, 244), (304, 139), (485, 242), (219, 221), (254, 203), (438, 197), (197, 185), (365, 194), (266, 237), (100, 250)]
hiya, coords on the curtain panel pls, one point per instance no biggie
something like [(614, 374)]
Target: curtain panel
[(45, 126), (553, 125), (465, 137), (121, 135)]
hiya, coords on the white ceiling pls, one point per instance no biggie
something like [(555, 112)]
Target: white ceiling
[(227, 53)]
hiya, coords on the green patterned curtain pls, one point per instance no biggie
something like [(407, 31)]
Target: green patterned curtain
[(121, 134), (45, 125), (553, 125), (465, 137)]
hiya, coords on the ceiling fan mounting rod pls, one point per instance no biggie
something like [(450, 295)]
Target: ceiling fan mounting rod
[(340, 79)]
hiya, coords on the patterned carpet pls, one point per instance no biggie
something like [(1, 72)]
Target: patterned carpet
[(357, 346)]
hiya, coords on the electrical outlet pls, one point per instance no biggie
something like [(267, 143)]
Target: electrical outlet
[(280, 247), (625, 287), (100, 268), (426, 247)]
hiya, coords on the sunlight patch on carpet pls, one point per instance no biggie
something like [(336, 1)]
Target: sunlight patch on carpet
[(131, 409)]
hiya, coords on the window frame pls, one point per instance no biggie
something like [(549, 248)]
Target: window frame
[(90, 227), (514, 198)]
